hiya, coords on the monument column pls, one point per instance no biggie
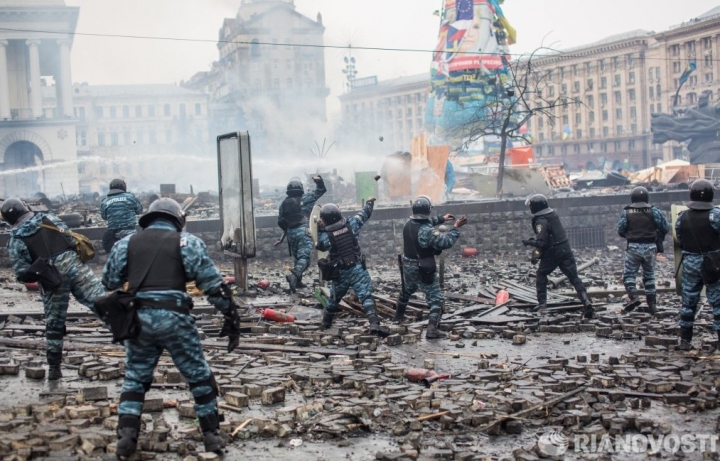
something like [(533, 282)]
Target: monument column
[(66, 78), (4, 84), (35, 85)]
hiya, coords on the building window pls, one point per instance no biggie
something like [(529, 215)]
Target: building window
[(138, 111), (618, 97), (633, 128), (127, 138), (618, 146), (606, 131), (113, 139), (591, 147), (603, 147), (603, 98), (575, 70), (631, 144), (113, 112), (692, 80), (631, 94), (101, 139), (151, 111), (631, 78), (618, 114), (408, 112), (126, 112), (576, 87), (605, 115), (691, 47), (541, 137), (183, 110), (565, 120), (564, 88), (691, 98), (616, 62), (592, 133), (603, 83), (198, 109), (619, 130), (153, 137), (552, 91), (576, 148), (708, 78), (166, 110), (631, 61), (591, 117), (675, 50), (563, 150), (652, 108), (578, 133), (677, 67), (707, 42), (601, 65), (540, 123), (659, 108), (168, 137), (618, 79), (83, 138), (590, 84), (578, 119), (590, 100), (633, 112)]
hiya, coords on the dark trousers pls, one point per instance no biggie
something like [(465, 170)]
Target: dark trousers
[(561, 257)]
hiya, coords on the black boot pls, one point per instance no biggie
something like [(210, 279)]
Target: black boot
[(633, 299), (375, 327), (212, 439), (127, 431), (292, 281), (588, 309), (327, 321), (54, 360), (686, 335), (652, 303), (540, 307), (432, 330), (717, 348), (400, 311)]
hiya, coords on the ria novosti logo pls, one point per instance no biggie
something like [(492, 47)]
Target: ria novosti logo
[(553, 443)]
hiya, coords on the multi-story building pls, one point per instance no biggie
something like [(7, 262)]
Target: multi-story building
[(392, 109), (139, 132), (270, 78), (37, 150), (613, 86)]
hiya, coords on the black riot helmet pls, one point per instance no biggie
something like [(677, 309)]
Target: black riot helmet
[(13, 210), (117, 186), (537, 203), (295, 188), (639, 195), (331, 214), (165, 208), (702, 190), (421, 207)]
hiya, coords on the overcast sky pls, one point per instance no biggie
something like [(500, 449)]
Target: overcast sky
[(373, 23)]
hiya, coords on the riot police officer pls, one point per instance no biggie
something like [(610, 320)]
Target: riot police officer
[(421, 243), (119, 209), (30, 246), (293, 218), (157, 263), (697, 230), (345, 265), (643, 226), (550, 239)]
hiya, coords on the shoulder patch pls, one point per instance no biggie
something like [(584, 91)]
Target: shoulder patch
[(183, 242), (538, 228)]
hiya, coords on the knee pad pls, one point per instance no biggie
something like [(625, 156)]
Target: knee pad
[(210, 396)]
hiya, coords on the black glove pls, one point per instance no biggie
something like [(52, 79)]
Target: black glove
[(231, 326), (530, 241), (318, 180), (534, 261), (370, 203)]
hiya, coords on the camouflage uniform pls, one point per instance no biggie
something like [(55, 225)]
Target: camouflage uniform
[(357, 276), (692, 283), (168, 330), (428, 237), (641, 254), (119, 211), (77, 278), (299, 240)]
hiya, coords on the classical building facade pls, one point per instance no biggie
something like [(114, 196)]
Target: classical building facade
[(392, 109), (140, 133), (270, 76), (37, 143)]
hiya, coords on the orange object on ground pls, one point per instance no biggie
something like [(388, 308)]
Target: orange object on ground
[(275, 316), (229, 279), (501, 297), (418, 374), (263, 284), (468, 252)]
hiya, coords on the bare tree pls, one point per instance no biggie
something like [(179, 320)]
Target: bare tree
[(524, 95)]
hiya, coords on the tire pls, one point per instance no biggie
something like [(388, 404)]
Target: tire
[(72, 219)]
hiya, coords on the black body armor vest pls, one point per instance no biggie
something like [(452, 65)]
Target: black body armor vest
[(411, 246), (696, 233), (641, 225), (293, 212), (345, 248), (46, 243), (167, 271), (556, 231)]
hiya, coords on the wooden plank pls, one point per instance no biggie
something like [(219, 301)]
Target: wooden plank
[(474, 299), (250, 346)]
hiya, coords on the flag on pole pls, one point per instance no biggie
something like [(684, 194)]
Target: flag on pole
[(692, 65)]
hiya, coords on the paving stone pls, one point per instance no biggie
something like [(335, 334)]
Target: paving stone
[(237, 399), (35, 373), (273, 395)]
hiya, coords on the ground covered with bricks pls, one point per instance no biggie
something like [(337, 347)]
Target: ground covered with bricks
[(292, 391)]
